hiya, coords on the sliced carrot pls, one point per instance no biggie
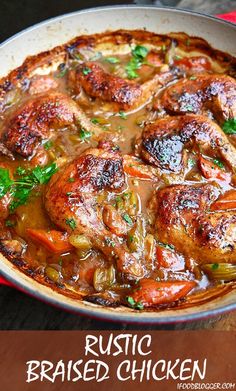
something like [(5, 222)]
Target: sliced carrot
[(169, 259), (211, 171), (226, 201), (134, 168), (151, 293), (53, 240)]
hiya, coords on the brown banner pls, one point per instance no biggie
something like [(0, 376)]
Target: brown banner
[(115, 361)]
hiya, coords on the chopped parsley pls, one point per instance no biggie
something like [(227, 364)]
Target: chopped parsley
[(48, 145), (188, 108), (109, 242), (215, 266), (10, 223), (219, 163), (70, 180), (131, 238), (112, 60), (127, 218), (163, 48), (94, 121), (86, 71), (139, 54), (229, 127), (122, 115), (71, 222), (137, 305), (24, 182), (84, 134)]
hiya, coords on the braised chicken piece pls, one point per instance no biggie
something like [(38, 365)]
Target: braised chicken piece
[(216, 93), (164, 141), (71, 203), (121, 93), (184, 220), (35, 119)]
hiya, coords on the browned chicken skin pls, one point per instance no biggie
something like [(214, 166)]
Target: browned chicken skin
[(163, 142), (183, 219), (71, 196), (216, 93), (34, 120), (121, 93)]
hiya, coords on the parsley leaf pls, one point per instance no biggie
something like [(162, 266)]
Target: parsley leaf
[(122, 115), (86, 71), (127, 218), (71, 222), (229, 127), (219, 163), (24, 182), (84, 134), (137, 305), (139, 54), (48, 145), (5, 181), (112, 60)]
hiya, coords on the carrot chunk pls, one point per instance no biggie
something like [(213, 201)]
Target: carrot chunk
[(134, 168), (226, 201), (152, 293), (211, 171), (54, 241)]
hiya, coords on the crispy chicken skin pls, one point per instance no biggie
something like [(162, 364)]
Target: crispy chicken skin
[(214, 92), (122, 94), (71, 196), (99, 84), (183, 219), (162, 143), (34, 119)]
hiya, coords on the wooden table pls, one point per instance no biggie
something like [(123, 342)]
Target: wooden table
[(18, 311)]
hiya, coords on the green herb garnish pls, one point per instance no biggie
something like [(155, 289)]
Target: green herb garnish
[(70, 180), (109, 242), (127, 218), (24, 182), (139, 54), (214, 266), (188, 108), (94, 121), (48, 145), (84, 134), (112, 60), (219, 163), (86, 71), (122, 115), (10, 223), (229, 127), (71, 222), (137, 305)]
